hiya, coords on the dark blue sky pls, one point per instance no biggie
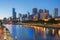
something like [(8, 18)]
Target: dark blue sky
[(22, 6)]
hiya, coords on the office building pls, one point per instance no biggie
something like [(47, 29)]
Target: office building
[(55, 12), (20, 17), (40, 13), (35, 14), (14, 13), (46, 14), (34, 11)]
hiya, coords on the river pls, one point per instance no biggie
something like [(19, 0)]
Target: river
[(21, 32)]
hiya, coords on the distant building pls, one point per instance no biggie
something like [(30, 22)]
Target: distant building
[(5, 20), (34, 11), (35, 14), (46, 14), (40, 13), (20, 17), (55, 12), (24, 17), (35, 18), (57, 18), (28, 15), (14, 16), (10, 18), (14, 13)]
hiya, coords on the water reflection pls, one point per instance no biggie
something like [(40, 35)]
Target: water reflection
[(59, 32), (20, 32)]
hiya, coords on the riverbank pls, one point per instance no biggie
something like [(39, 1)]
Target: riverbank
[(8, 35), (5, 34), (53, 26)]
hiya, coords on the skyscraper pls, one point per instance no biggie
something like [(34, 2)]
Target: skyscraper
[(20, 17), (28, 15), (46, 14), (34, 11), (35, 14), (40, 13), (55, 12), (14, 13)]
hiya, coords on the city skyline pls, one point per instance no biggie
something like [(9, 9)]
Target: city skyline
[(24, 6)]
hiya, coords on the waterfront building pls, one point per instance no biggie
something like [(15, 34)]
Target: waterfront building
[(35, 18), (5, 20), (40, 13), (55, 12), (35, 14), (20, 17), (24, 17), (57, 18), (14, 13), (46, 14), (28, 15), (34, 11)]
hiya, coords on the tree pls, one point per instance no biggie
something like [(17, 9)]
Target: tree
[(51, 21)]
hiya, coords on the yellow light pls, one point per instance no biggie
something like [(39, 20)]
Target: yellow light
[(46, 19), (35, 18), (57, 18), (59, 32), (59, 24), (44, 29)]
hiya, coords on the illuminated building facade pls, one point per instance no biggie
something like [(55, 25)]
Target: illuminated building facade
[(46, 14), (35, 14)]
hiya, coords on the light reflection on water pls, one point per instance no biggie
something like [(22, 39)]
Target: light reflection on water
[(21, 32), (59, 32)]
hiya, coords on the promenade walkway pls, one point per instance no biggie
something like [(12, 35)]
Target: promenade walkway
[(5, 35), (43, 25)]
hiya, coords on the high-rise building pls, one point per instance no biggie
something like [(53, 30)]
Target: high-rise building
[(24, 18), (35, 14), (34, 11), (14, 16), (20, 17), (55, 12), (46, 14), (14, 13), (28, 15), (40, 13), (40, 10)]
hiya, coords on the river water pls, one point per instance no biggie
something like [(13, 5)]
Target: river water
[(20, 32)]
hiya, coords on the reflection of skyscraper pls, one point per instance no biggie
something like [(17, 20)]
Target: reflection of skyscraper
[(14, 13), (55, 12)]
